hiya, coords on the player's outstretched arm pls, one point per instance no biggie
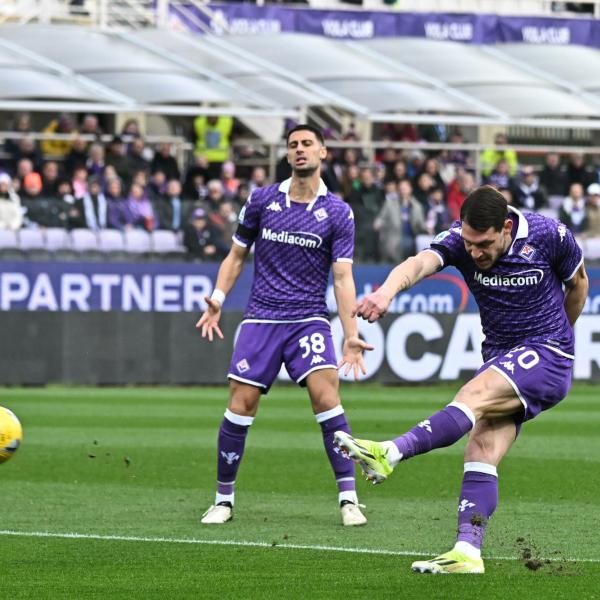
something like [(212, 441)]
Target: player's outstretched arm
[(576, 293), (404, 276), (229, 271), (345, 296)]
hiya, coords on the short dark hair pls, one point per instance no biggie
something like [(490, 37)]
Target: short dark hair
[(305, 127), (485, 207)]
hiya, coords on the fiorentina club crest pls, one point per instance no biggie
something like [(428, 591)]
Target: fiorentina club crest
[(527, 252), (321, 214), (242, 366)]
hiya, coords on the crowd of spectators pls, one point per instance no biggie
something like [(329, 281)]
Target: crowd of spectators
[(125, 184)]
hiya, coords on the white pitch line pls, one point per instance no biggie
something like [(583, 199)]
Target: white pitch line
[(164, 540)]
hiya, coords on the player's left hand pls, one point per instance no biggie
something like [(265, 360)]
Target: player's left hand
[(353, 356)]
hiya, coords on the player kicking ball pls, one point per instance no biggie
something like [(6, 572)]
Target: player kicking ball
[(300, 231), (527, 275)]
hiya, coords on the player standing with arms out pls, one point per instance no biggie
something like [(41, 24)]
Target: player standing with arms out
[(516, 266), (300, 232)]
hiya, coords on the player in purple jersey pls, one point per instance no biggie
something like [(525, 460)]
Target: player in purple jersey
[(300, 232), (527, 275)]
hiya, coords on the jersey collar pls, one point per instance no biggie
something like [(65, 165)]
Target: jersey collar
[(522, 227), (284, 187)]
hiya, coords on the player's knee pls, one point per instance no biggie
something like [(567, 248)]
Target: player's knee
[(244, 400)]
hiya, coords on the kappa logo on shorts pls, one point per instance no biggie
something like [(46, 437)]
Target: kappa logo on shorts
[(508, 365), (527, 252), (321, 214), (242, 366), (317, 359)]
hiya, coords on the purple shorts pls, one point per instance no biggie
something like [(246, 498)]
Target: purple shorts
[(539, 374), (261, 349)]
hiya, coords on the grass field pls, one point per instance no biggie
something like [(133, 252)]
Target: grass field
[(104, 498)]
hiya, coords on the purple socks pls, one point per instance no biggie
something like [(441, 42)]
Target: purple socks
[(438, 431), (230, 449), (343, 468), (477, 502)]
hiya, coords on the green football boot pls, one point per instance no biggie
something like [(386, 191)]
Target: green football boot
[(450, 562), (371, 456)]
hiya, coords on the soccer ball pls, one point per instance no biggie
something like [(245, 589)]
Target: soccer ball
[(11, 434)]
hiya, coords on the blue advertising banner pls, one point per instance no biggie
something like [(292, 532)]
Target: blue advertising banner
[(181, 287), (249, 19)]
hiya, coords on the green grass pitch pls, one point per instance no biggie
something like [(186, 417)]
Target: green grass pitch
[(131, 470)]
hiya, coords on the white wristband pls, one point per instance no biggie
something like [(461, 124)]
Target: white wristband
[(218, 295)]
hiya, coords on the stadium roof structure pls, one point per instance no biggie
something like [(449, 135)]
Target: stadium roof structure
[(400, 79)]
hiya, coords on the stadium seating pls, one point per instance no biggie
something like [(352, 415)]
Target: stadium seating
[(83, 240), (57, 239), (8, 239), (31, 239), (111, 240), (137, 241)]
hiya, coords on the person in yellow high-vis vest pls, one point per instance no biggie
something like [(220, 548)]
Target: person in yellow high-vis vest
[(212, 141)]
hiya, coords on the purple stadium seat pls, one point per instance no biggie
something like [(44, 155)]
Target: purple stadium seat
[(83, 240), (111, 240), (31, 239), (164, 241), (57, 239), (8, 239), (137, 241)]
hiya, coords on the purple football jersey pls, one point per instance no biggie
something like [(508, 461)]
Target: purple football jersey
[(295, 245), (520, 298)]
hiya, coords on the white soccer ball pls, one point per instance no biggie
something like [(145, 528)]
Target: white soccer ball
[(11, 434)]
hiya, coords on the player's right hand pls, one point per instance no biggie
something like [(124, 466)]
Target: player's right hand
[(209, 321), (372, 307)]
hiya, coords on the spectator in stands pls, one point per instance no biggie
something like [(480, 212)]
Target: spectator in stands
[(458, 190), (157, 187), (350, 156), (131, 128), (422, 189), (201, 239), (432, 168), (500, 177), (593, 211), (399, 222), (329, 172), (229, 181), (42, 211), (50, 178), (213, 135), (91, 210), (350, 181), (21, 124), (225, 221), (163, 160), (32, 186), (507, 193), (573, 210), (95, 162), (491, 157), (116, 157), (170, 208), (242, 195), (139, 207), (58, 148), (118, 211), (433, 133), (215, 195), (77, 157), (580, 172), (553, 178), (366, 202), (414, 164), (90, 126), (258, 178), (79, 182), (194, 185), (456, 157), (24, 167), (136, 156), (438, 216), (11, 216), (26, 149), (529, 195), (399, 171)]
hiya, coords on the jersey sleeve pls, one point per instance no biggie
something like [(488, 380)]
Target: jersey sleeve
[(448, 245), (248, 222), (343, 241), (567, 253)]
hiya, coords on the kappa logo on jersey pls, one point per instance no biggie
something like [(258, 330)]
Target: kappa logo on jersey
[(351, 214), (293, 238), (274, 206), (464, 504), (562, 231), (317, 359), (530, 277), (230, 457), (242, 366), (527, 252), (321, 214)]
